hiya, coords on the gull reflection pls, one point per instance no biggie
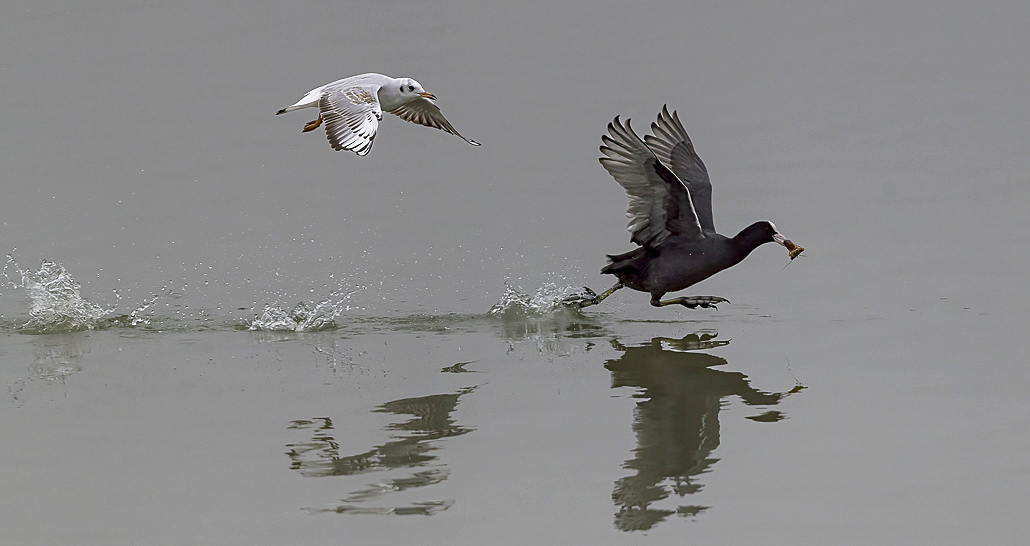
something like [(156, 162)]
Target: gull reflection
[(411, 449), (676, 422)]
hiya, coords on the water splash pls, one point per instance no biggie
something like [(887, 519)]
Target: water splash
[(57, 305), (136, 316), (305, 316), (546, 301), (10, 283)]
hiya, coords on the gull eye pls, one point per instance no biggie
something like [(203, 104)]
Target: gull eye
[(411, 88)]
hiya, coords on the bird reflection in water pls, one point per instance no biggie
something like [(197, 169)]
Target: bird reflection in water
[(57, 356), (412, 449), (676, 422)]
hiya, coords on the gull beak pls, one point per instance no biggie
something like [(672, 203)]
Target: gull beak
[(427, 95), (794, 249)]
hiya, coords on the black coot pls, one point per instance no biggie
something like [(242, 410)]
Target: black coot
[(670, 211)]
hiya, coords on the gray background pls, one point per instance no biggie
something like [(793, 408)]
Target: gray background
[(139, 148)]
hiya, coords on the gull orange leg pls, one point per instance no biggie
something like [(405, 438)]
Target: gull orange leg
[(312, 125)]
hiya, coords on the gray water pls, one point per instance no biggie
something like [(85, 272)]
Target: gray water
[(216, 330)]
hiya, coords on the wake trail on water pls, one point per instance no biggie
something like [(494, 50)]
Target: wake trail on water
[(57, 306)]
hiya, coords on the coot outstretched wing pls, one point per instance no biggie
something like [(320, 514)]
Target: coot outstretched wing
[(670, 212)]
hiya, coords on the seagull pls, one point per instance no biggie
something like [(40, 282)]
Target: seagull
[(670, 212), (352, 107)]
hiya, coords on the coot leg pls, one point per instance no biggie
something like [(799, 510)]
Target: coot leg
[(588, 297), (609, 292), (690, 301)]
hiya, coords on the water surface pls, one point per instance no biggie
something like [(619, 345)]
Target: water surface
[(215, 329)]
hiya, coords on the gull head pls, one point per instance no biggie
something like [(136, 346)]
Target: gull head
[(411, 89)]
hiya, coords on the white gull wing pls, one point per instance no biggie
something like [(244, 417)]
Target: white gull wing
[(673, 147), (659, 203), (351, 114), (424, 111)]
